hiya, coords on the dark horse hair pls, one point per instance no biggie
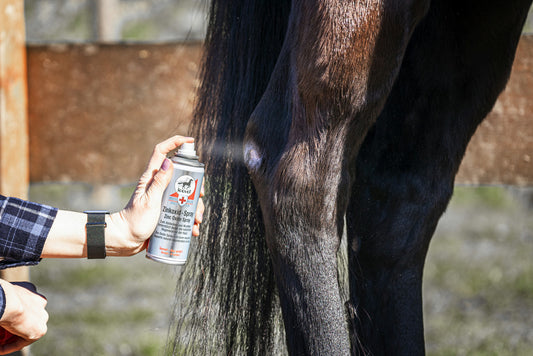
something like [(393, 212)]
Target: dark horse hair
[(229, 274), (398, 131)]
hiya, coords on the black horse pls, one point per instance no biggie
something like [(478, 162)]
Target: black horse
[(324, 118)]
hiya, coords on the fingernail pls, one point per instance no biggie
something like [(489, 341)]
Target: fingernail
[(166, 164)]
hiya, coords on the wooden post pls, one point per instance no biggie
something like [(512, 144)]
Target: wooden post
[(105, 20), (14, 152)]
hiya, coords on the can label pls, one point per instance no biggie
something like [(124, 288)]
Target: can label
[(172, 236)]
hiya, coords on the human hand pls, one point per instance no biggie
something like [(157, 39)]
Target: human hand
[(137, 221), (24, 319)]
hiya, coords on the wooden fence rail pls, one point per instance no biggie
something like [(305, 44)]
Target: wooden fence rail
[(501, 151), (96, 110)]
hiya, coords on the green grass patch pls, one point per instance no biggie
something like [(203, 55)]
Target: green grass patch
[(138, 31), (487, 196), (106, 318), (78, 276)]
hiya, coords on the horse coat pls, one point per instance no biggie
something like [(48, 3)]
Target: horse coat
[(320, 119)]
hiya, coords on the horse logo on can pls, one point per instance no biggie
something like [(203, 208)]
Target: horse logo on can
[(185, 187)]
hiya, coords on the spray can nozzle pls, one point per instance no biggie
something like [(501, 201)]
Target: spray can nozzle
[(187, 150)]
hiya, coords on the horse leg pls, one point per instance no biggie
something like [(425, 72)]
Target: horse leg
[(408, 161), (336, 67)]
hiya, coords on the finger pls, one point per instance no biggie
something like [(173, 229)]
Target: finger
[(202, 191), (196, 230), (163, 148), (158, 156), (160, 181), (145, 245), (199, 212)]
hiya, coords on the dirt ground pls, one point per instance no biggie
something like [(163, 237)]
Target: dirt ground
[(478, 288)]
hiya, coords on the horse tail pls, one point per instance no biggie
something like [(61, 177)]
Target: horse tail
[(226, 299)]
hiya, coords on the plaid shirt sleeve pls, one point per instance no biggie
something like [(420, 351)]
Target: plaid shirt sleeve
[(24, 227)]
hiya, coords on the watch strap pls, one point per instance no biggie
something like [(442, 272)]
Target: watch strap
[(95, 228)]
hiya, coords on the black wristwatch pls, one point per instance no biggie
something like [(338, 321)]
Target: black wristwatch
[(96, 233)]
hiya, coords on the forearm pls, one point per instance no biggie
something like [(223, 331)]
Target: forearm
[(29, 231), (68, 236)]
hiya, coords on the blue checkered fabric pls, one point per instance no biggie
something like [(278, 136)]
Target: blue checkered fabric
[(24, 227)]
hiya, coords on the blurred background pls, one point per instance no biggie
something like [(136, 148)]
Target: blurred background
[(478, 285)]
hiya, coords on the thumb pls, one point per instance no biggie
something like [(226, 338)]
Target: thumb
[(160, 181)]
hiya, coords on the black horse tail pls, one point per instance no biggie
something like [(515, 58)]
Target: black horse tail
[(226, 299)]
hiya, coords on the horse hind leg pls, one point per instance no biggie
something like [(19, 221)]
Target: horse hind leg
[(299, 149), (297, 189), (301, 214), (407, 164)]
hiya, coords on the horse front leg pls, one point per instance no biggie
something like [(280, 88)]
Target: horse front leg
[(408, 161), (390, 220)]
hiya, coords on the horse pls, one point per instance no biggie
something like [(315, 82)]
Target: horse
[(187, 184), (320, 120)]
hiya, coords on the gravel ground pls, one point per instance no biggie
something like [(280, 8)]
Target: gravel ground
[(478, 288)]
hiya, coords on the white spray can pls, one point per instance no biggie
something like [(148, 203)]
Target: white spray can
[(172, 237)]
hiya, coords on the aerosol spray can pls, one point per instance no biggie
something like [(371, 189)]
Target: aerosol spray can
[(172, 236)]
